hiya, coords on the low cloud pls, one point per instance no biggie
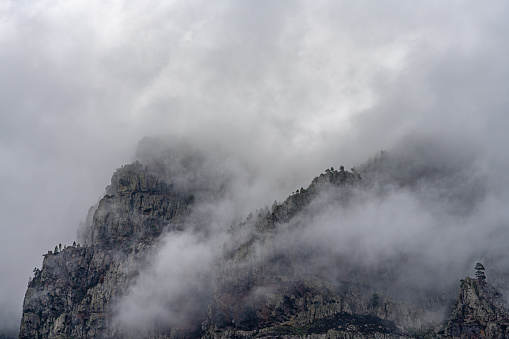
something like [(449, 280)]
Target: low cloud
[(174, 290), (414, 226), (283, 90)]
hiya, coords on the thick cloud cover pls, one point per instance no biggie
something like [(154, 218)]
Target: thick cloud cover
[(421, 217), (288, 88)]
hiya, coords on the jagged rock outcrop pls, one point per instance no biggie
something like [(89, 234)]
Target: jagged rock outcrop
[(74, 293), (137, 207), (480, 312)]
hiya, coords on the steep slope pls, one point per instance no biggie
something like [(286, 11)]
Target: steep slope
[(74, 293), (300, 268), (479, 312), (262, 291)]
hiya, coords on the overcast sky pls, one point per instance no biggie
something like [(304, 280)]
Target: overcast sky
[(291, 87)]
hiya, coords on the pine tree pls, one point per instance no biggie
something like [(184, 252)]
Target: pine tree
[(479, 272)]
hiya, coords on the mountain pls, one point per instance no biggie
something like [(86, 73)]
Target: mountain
[(73, 293), (310, 266), (480, 312)]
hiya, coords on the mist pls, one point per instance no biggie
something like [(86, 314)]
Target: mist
[(417, 223), (279, 92)]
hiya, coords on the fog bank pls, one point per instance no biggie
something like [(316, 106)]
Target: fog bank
[(283, 91)]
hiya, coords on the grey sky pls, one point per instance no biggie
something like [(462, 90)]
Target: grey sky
[(289, 88)]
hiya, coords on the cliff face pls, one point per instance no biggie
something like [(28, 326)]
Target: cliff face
[(74, 293), (260, 286), (136, 209), (479, 312)]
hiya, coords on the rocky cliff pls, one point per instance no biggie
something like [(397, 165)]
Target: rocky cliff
[(261, 290), (270, 280), (74, 293), (479, 312)]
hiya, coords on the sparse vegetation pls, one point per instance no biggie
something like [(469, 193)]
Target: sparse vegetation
[(375, 300), (366, 324), (479, 272)]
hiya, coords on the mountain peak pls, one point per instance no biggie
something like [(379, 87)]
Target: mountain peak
[(479, 312)]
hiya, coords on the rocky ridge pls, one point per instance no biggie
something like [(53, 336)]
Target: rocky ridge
[(259, 286), (479, 312), (271, 298), (74, 293)]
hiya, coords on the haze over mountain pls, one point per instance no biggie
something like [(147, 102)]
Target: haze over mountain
[(372, 252), (272, 94)]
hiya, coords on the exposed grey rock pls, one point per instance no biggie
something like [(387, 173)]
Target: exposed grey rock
[(269, 297), (74, 293), (136, 209), (480, 312), (260, 288)]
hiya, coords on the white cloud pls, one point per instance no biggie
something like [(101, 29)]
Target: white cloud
[(292, 87)]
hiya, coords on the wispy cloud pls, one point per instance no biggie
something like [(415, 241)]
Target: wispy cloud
[(288, 88)]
